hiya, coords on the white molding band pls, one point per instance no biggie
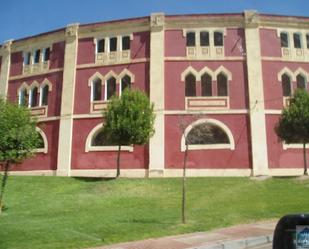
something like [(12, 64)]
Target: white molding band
[(33, 173)]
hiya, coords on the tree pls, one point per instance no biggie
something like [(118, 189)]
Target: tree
[(18, 138), (128, 120), (188, 140), (293, 125)]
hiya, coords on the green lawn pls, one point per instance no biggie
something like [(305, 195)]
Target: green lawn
[(54, 213)]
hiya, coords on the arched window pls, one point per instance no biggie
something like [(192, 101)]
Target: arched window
[(190, 85), (42, 146), (286, 85), (284, 39), (207, 134), (218, 38), (297, 40), (97, 141), (23, 97), (125, 83), (222, 85), (44, 95), (110, 88), (100, 139), (301, 81), (206, 83), (34, 96), (96, 89)]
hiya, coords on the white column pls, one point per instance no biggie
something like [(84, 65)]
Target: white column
[(256, 95), (67, 101), (5, 53), (156, 143)]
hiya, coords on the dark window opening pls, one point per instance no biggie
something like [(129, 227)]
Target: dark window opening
[(24, 98), (44, 93), (284, 40), (126, 43), (34, 97), (125, 83), (204, 38), (190, 85), (207, 134), (37, 56), (307, 40), (27, 58), (113, 44), (286, 85), (111, 87), (97, 89), (101, 139), (100, 46), (297, 40), (46, 54), (191, 39), (218, 38), (40, 144), (222, 85), (301, 82), (206, 85)]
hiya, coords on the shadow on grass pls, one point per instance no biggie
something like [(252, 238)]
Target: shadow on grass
[(94, 179)]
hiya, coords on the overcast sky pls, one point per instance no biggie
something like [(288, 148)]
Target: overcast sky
[(22, 18)]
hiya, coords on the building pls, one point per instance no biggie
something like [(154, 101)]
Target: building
[(227, 75)]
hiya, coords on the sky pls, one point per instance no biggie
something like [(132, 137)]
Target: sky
[(23, 18)]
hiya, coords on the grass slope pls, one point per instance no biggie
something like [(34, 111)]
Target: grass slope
[(63, 213)]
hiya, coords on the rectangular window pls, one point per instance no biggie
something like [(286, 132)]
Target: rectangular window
[(125, 43), (190, 39), (46, 54), (37, 56), (297, 40), (218, 39), (284, 40), (101, 46), (307, 40), (113, 44), (204, 39), (27, 58)]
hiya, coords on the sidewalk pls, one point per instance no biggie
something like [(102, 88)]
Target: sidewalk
[(236, 237)]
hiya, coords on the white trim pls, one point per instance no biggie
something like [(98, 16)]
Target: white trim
[(208, 172), (206, 70), (294, 146), (218, 123), (190, 70), (190, 112), (287, 71), (139, 173), (286, 171), (89, 147), (45, 149), (223, 70), (33, 173)]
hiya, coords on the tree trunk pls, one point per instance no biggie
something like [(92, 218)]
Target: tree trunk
[(183, 208), (118, 161), (3, 183), (305, 159)]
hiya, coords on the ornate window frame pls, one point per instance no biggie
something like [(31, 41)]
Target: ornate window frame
[(44, 137), (90, 148), (230, 146), (45, 82)]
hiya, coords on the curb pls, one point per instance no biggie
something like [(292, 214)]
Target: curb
[(240, 243)]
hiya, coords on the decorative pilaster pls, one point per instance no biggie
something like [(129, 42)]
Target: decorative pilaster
[(5, 53), (256, 95), (67, 101), (156, 143)]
